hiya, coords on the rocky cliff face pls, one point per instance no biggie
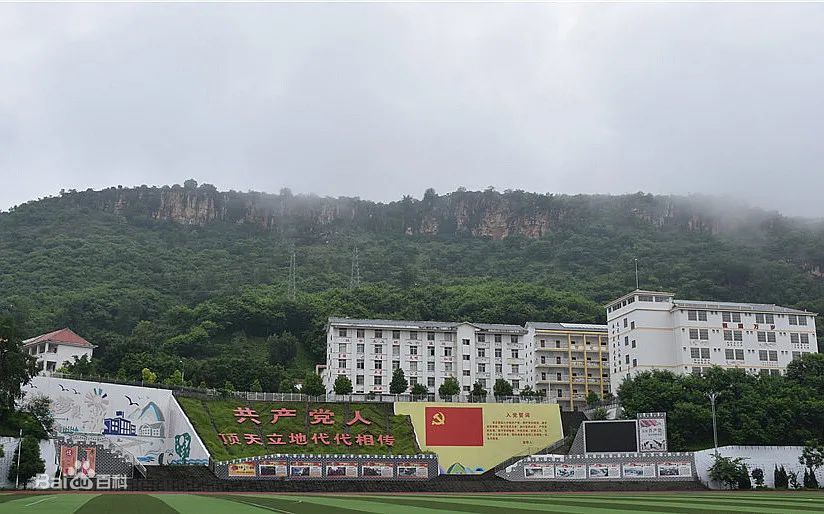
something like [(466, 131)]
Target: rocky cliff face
[(485, 214)]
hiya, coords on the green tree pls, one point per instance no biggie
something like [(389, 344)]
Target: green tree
[(730, 472), (17, 367), (313, 385), (592, 398), (398, 385), (83, 366), (30, 462), (175, 379), (148, 376), (255, 386), (478, 390), (419, 390), (599, 414), (342, 385), (282, 348), (502, 388), (287, 385), (40, 407), (812, 457), (449, 388)]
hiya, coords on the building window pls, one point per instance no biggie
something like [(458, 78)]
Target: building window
[(448, 337), (465, 342), (774, 355), (793, 338), (413, 366), (481, 367), (413, 336), (796, 355), (377, 380), (360, 333), (481, 338), (633, 343), (543, 359), (696, 371), (378, 334), (413, 381), (557, 360), (516, 384), (447, 352), (413, 350), (396, 350), (466, 372), (430, 381), (342, 348), (466, 357), (360, 347), (634, 363), (498, 353), (762, 355), (431, 351), (692, 315), (792, 319), (378, 364), (378, 348), (396, 365), (359, 364), (430, 366), (762, 337), (342, 363), (341, 332), (738, 335), (802, 320), (513, 338), (557, 343), (704, 334), (626, 340), (396, 334), (514, 353), (359, 380), (560, 393), (805, 338), (770, 337), (430, 336), (499, 368), (693, 333), (739, 354), (447, 367), (728, 335), (627, 359), (497, 338), (705, 353), (695, 353), (729, 354), (625, 322), (515, 368), (543, 376), (481, 352)]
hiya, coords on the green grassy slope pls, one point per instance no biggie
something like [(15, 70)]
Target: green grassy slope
[(213, 417)]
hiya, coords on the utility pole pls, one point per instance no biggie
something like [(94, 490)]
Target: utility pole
[(636, 275), (354, 277), (712, 395), (292, 273)]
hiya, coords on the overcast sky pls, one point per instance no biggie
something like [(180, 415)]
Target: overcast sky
[(380, 100)]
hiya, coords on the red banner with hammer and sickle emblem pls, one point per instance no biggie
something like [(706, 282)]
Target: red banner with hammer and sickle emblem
[(454, 426)]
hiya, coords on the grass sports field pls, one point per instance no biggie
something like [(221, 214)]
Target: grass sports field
[(690, 503)]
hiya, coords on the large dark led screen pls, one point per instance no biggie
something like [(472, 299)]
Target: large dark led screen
[(611, 436)]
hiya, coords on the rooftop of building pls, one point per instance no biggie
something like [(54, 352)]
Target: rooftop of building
[(64, 336), (421, 325), (567, 327), (713, 305)]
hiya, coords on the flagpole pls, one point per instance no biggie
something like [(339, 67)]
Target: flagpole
[(19, 451)]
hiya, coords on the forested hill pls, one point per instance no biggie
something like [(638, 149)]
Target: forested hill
[(156, 274)]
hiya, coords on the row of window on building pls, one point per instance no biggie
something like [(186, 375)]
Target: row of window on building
[(360, 333), (413, 350)]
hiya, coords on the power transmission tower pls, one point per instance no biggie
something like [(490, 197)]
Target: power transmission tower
[(354, 278), (292, 275)]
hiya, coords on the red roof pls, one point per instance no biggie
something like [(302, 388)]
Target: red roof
[(64, 336)]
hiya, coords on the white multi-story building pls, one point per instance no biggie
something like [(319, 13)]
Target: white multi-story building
[(56, 348), (369, 350), (653, 330), (568, 361)]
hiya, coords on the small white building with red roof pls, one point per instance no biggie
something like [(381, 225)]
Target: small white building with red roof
[(58, 347)]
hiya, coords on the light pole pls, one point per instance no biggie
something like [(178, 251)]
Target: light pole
[(712, 395), (182, 372), (19, 452)]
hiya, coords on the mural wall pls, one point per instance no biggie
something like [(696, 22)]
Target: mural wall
[(470, 438), (146, 422)]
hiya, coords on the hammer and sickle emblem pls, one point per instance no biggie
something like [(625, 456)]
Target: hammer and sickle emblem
[(438, 418)]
